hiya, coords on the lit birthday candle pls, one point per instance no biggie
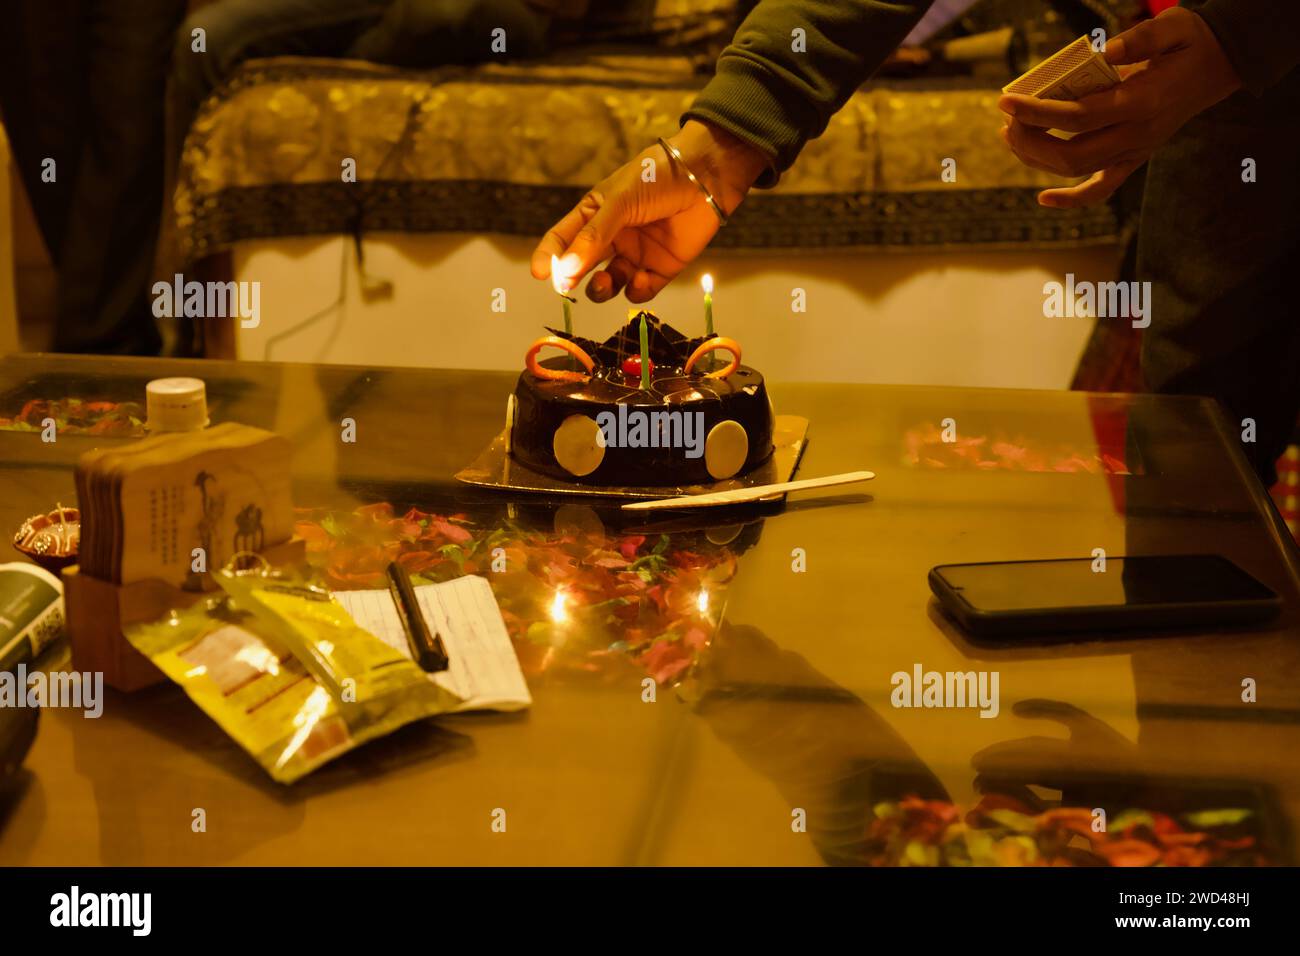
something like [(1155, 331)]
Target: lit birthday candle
[(561, 286), (559, 607), (706, 283)]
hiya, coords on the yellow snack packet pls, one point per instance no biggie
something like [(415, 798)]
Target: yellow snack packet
[(284, 669)]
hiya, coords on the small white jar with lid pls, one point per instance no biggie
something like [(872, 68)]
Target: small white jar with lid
[(176, 405)]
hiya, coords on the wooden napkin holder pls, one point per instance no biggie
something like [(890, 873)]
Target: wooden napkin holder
[(98, 611)]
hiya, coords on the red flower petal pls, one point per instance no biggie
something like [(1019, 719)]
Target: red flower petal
[(452, 532)]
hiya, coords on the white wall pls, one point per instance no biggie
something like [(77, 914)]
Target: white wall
[(925, 318)]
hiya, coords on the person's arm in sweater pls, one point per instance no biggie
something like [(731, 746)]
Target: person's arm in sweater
[(791, 66), (1261, 38)]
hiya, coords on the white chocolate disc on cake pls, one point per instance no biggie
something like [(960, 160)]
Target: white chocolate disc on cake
[(726, 449), (581, 521), (579, 445), (723, 534)]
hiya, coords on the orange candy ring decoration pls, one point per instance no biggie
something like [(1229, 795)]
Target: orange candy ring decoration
[(555, 374), (717, 342)]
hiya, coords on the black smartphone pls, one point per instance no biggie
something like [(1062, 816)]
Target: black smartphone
[(1013, 598)]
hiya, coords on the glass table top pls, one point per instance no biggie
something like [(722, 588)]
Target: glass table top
[(770, 638)]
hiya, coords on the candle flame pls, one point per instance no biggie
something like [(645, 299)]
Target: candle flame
[(560, 280), (559, 610), (706, 283), (702, 602)]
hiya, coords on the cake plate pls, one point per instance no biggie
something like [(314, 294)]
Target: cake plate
[(494, 468)]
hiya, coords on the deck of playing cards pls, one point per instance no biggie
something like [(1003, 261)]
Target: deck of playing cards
[(1070, 73), (174, 506)]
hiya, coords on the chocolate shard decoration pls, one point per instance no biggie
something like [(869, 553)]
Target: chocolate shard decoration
[(668, 347)]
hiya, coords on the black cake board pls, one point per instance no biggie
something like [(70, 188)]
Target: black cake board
[(493, 468)]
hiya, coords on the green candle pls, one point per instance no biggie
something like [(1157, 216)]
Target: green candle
[(706, 281), (561, 286), (645, 352)]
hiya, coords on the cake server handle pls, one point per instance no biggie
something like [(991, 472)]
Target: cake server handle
[(741, 495)]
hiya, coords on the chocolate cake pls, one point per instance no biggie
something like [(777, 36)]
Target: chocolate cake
[(592, 417)]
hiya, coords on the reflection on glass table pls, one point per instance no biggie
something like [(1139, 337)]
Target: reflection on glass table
[(769, 637)]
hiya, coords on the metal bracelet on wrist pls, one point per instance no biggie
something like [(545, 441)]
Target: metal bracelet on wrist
[(676, 154)]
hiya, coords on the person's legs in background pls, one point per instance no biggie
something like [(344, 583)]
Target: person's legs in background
[(81, 83), (1219, 237), (43, 105), (107, 258)]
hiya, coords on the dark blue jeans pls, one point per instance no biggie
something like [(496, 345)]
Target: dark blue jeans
[(81, 83)]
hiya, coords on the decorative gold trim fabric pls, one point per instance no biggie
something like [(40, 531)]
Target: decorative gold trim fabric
[(509, 148)]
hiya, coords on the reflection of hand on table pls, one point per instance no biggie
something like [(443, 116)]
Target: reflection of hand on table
[(825, 750), (1093, 748)]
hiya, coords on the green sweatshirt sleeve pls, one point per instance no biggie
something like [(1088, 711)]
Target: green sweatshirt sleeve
[(1260, 37), (793, 64)]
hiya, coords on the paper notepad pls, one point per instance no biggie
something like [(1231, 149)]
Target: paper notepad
[(483, 670)]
